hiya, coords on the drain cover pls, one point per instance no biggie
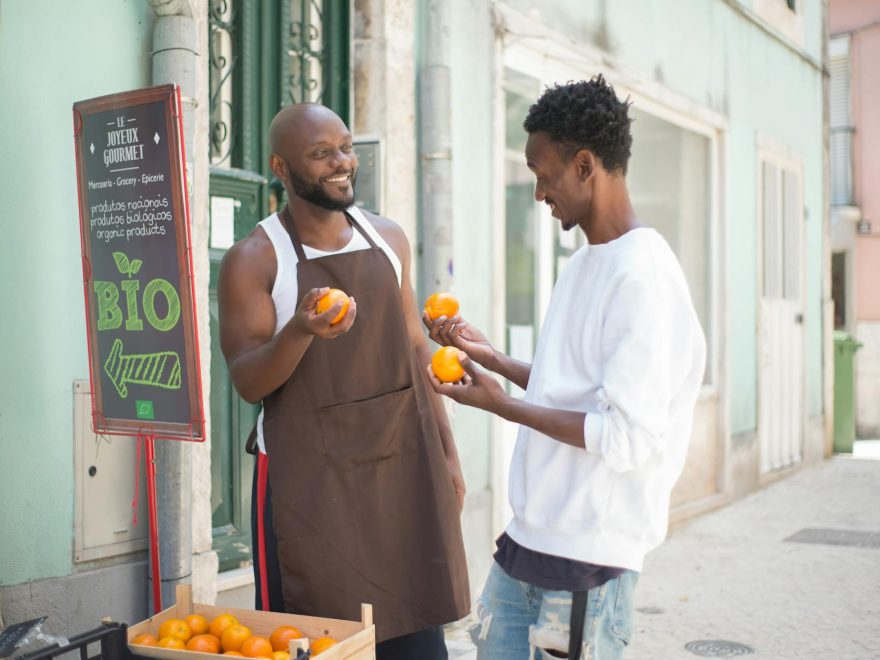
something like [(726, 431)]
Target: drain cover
[(650, 610), (718, 648), (851, 537)]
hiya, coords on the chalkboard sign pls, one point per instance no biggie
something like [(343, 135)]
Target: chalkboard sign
[(137, 273)]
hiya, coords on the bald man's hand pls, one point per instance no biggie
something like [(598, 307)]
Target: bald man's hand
[(308, 321)]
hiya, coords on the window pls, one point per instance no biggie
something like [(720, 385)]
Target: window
[(670, 185), (783, 17), (840, 149), (521, 221), (838, 289), (782, 213)]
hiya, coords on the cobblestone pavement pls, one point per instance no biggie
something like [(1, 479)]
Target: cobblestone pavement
[(732, 575)]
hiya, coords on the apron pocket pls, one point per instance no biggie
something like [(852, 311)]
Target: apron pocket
[(371, 430)]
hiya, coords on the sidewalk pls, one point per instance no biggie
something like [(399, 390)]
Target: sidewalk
[(792, 571)]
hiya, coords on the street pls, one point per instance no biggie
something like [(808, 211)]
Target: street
[(736, 578)]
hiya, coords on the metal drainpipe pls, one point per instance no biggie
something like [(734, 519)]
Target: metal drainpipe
[(436, 151), (174, 61)]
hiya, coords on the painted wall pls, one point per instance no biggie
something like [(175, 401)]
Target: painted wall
[(51, 54), (861, 20), (718, 55)]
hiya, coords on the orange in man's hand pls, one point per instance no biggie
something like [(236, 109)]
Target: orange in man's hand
[(281, 636), (329, 299), (441, 304), (446, 366)]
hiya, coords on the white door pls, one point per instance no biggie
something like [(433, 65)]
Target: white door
[(781, 338)]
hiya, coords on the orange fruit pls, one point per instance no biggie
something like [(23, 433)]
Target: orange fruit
[(238, 654), (220, 623), (203, 644), (145, 639), (171, 643), (322, 644), (441, 304), (329, 299), (281, 655), (256, 647), (281, 636), (234, 636), (446, 366), (176, 628), (197, 623)]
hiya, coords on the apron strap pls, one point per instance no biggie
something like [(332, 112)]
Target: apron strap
[(289, 225), (576, 624)]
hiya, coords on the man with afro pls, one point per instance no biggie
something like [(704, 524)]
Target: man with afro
[(610, 396)]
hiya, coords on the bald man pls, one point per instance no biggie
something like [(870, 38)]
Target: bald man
[(357, 484)]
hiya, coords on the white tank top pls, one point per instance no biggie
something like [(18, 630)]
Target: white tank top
[(285, 289)]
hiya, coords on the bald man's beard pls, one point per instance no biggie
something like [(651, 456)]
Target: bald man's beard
[(314, 193)]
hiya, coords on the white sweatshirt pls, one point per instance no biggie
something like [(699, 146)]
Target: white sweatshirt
[(621, 342)]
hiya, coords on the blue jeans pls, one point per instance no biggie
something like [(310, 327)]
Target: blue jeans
[(518, 620)]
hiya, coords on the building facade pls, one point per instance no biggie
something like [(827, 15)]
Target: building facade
[(854, 95), (728, 163)]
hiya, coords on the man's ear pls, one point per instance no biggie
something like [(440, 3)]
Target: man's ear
[(586, 163), (278, 167)]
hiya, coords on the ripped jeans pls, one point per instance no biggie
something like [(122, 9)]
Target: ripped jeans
[(518, 621)]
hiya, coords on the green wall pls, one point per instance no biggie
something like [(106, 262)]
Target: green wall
[(51, 54), (471, 51)]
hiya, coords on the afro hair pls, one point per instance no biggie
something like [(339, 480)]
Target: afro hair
[(585, 115)]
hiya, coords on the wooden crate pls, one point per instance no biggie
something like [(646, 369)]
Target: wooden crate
[(357, 640)]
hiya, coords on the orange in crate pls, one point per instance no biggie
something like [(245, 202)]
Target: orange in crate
[(197, 624), (234, 636), (221, 623), (175, 628), (171, 643), (322, 644), (256, 647), (281, 636), (356, 639), (204, 644)]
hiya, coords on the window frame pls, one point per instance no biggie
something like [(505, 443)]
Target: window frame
[(662, 103)]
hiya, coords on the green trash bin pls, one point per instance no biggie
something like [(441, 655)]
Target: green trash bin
[(845, 347)]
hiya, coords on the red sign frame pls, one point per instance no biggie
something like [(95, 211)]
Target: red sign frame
[(186, 372)]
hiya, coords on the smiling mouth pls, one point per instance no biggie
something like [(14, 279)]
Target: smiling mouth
[(338, 178)]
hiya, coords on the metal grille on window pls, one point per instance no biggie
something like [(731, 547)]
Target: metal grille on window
[(304, 46), (223, 59)]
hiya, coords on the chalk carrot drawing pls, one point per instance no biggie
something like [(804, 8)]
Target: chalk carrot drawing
[(160, 369)]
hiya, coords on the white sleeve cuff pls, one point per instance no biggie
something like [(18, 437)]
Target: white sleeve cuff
[(593, 423)]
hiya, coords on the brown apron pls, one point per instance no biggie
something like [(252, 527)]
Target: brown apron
[(363, 506)]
